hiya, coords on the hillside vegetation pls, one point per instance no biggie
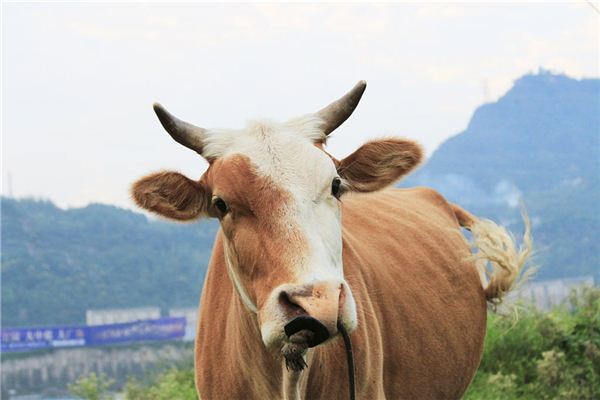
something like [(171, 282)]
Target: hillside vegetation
[(58, 263), (536, 355)]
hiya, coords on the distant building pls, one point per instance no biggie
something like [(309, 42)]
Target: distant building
[(547, 294), (191, 316), (118, 315)]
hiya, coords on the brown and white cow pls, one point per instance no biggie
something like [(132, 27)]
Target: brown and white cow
[(312, 241)]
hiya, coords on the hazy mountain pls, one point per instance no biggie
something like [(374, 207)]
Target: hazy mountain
[(540, 143)]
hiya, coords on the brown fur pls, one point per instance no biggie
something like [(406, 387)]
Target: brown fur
[(421, 311), (379, 163), (261, 245), (171, 195), (465, 218)]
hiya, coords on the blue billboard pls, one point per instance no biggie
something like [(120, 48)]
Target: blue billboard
[(140, 331), (18, 339), (24, 339)]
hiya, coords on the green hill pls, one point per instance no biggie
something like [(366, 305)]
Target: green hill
[(58, 263)]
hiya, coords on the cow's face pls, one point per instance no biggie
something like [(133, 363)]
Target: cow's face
[(278, 197)]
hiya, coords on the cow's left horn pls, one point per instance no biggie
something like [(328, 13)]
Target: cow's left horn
[(337, 112), (190, 136)]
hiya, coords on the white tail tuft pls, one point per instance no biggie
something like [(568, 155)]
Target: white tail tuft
[(501, 264), (497, 248)]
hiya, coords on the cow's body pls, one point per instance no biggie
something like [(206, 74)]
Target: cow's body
[(421, 312), (311, 247)]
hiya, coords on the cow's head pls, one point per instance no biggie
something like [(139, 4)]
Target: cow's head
[(277, 195)]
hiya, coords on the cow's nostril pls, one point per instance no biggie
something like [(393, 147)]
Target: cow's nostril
[(287, 304), (306, 323)]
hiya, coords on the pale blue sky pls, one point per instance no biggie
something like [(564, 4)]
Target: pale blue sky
[(79, 79)]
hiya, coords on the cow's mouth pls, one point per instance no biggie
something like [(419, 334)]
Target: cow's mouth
[(319, 332), (303, 332)]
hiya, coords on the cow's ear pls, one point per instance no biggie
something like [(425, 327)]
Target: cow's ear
[(171, 195), (379, 163)]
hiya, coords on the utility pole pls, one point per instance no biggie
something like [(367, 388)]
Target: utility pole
[(9, 188), (486, 91)]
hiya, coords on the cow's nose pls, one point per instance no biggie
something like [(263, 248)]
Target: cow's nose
[(316, 307)]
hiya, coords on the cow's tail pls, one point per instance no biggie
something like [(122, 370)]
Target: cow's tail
[(501, 263)]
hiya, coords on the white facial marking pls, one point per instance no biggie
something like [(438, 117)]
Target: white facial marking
[(286, 154)]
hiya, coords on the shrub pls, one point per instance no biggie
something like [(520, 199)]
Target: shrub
[(538, 355), (172, 384), (91, 387)]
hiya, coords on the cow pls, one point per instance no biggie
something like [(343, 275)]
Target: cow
[(310, 245)]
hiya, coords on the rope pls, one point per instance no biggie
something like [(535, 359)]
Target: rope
[(350, 358)]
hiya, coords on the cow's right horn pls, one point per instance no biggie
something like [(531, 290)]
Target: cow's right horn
[(190, 136), (337, 112)]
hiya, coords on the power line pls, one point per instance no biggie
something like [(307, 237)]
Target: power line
[(595, 7)]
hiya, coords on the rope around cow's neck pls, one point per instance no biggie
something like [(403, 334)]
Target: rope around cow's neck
[(350, 358)]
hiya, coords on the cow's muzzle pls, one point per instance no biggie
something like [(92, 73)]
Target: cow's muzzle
[(302, 332), (315, 307)]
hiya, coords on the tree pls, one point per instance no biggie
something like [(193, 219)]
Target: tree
[(92, 387)]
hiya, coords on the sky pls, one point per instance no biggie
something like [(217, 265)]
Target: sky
[(79, 80)]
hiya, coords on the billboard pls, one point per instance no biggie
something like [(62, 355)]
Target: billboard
[(24, 339), (139, 331), (20, 339)]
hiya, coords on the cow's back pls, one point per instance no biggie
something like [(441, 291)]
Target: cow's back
[(421, 307)]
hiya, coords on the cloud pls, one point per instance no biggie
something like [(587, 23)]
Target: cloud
[(441, 11)]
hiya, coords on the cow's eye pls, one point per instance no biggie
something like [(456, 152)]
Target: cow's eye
[(336, 187), (220, 206)]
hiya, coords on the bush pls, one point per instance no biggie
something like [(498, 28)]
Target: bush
[(91, 387), (172, 384), (553, 355)]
